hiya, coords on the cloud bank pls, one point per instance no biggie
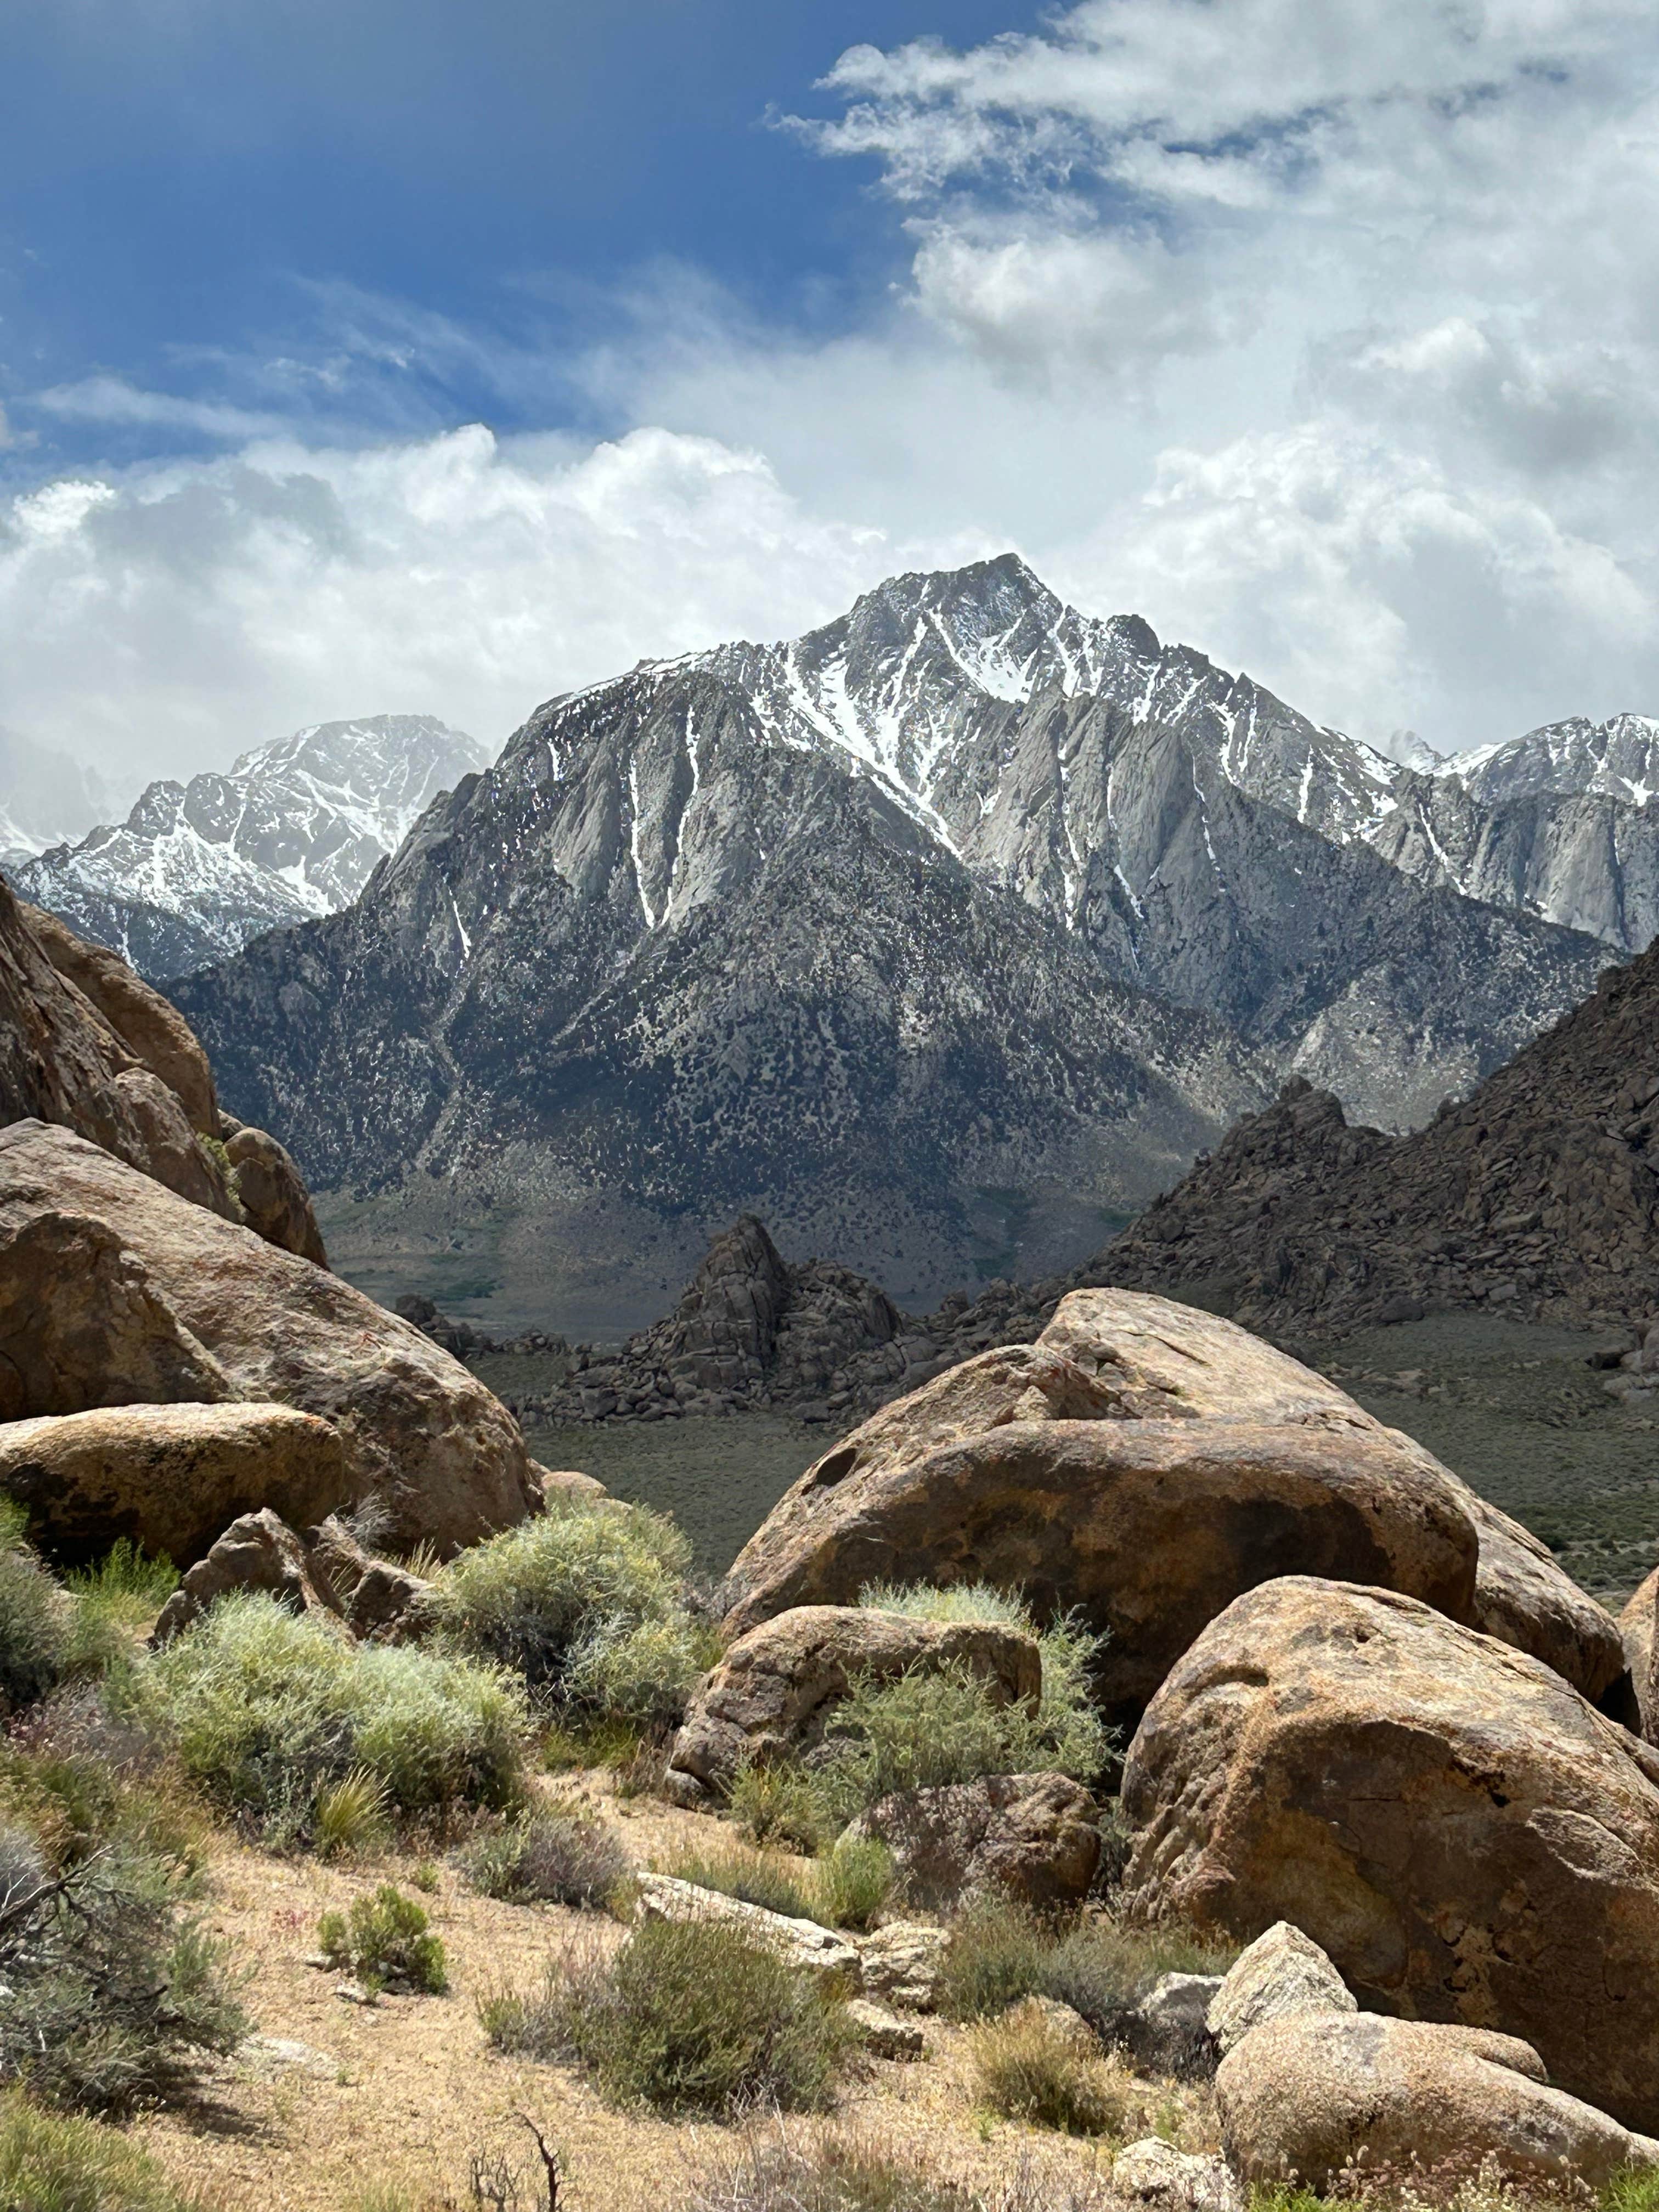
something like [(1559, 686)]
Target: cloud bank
[(1325, 336)]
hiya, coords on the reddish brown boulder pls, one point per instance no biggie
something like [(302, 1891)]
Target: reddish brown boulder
[(271, 1192), (1467, 1838)]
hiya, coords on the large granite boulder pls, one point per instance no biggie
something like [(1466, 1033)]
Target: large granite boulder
[(274, 1202), (151, 1027), (1135, 1385), (1316, 2095), (61, 1062), (771, 1695), (169, 1478), (1468, 1838), (170, 1290), (1032, 1837), (1636, 1624), (1149, 1527)]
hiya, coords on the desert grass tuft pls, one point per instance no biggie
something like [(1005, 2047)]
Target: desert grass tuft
[(1027, 2067)]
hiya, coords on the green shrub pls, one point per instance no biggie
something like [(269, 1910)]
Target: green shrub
[(384, 1941), (563, 1856), (269, 1708), (351, 1815), (1102, 1968), (1027, 2068), (1069, 1736), (110, 1605), (112, 1993), (852, 1881), (688, 2017), (999, 1953), (588, 1604), (52, 2162), (35, 1618), (781, 1804)]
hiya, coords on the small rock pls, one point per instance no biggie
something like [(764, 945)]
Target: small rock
[(354, 1993), (883, 2033), (1282, 1974), (828, 1959), (903, 1962), (1158, 2175)]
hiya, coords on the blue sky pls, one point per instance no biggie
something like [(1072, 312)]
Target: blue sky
[(187, 185), (358, 356)]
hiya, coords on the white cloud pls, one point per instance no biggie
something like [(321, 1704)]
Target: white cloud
[(171, 616), (1324, 334)]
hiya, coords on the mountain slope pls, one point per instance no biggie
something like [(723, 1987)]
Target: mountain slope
[(880, 934), (1539, 1195), (695, 973), (293, 831)]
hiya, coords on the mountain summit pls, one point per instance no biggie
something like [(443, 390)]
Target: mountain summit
[(940, 937), (292, 831)]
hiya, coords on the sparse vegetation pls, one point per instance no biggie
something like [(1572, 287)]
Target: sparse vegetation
[(688, 2017), (35, 1618), (999, 1954), (1102, 1968), (268, 1710), (589, 1605), (59, 2162), (386, 1940), (561, 1855), (768, 1879), (1028, 2068), (781, 1804), (853, 1880)]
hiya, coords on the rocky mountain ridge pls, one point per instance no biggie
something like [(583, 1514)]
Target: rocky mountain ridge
[(948, 931), (293, 830)]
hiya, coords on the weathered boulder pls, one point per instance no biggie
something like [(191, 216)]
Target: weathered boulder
[(1636, 1624), (272, 1194), (1163, 1359), (167, 1477), (771, 1695), (1312, 2095), (151, 1027), (828, 1959), (61, 1061), (166, 1290), (1282, 1974), (1035, 1837), (1149, 1527), (259, 1552), (883, 2033), (902, 1961), (1155, 2174), (1467, 1838), (1523, 1598)]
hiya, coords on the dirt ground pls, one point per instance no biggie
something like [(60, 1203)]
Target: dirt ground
[(338, 2107)]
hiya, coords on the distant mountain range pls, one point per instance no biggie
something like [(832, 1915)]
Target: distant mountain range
[(293, 830), (941, 937)]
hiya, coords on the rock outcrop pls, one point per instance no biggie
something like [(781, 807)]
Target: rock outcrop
[(1538, 1195), (819, 1952), (167, 1478), (1309, 2097), (114, 1291), (1033, 1836), (777, 1687), (274, 1202), (259, 1552), (62, 1060), (1636, 1629), (1462, 1833)]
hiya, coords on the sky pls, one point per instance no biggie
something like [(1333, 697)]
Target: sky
[(409, 356)]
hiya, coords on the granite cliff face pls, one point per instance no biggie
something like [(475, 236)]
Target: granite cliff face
[(293, 831), (948, 931)]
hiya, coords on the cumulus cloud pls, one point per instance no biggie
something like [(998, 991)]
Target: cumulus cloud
[(172, 616), (1326, 335)]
